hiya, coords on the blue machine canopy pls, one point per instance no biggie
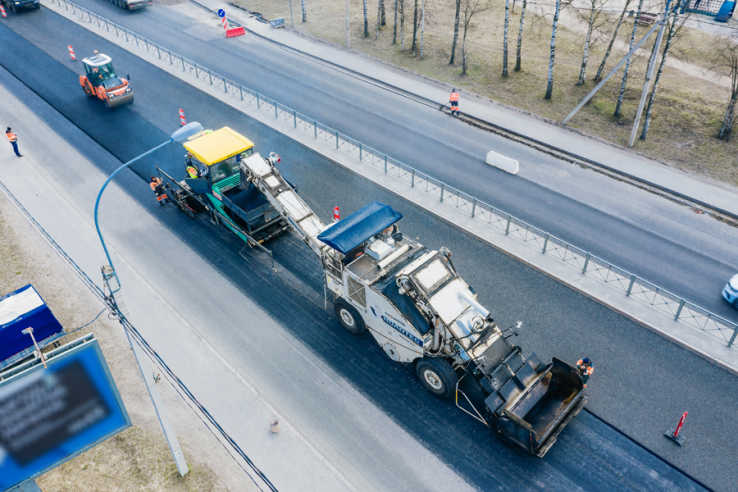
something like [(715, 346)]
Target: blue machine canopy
[(19, 310), (350, 232)]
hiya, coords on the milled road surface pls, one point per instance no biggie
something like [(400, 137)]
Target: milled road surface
[(667, 244), (642, 382)]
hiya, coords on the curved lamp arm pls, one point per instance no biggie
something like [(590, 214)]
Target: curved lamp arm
[(186, 131)]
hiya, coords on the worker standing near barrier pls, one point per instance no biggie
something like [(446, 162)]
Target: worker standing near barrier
[(158, 189), (586, 368), (454, 100), (13, 141)]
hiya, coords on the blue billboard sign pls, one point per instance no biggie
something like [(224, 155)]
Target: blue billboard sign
[(50, 415), (23, 309)]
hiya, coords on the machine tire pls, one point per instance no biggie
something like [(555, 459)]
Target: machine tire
[(107, 103), (349, 318), (437, 376)]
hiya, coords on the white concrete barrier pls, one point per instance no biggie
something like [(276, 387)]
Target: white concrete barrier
[(505, 163)]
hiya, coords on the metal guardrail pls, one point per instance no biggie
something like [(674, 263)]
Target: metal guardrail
[(631, 285)]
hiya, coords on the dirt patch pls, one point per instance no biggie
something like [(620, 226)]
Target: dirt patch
[(138, 458), (689, 106)]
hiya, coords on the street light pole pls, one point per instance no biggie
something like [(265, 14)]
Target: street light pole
[(119, 306)]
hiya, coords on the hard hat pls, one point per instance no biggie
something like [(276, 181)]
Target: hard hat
[(586, 361)]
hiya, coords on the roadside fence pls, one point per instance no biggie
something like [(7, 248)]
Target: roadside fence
[(629, 284)]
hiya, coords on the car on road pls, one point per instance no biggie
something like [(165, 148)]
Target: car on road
[(730, 291), (16, 5), (131, 4)]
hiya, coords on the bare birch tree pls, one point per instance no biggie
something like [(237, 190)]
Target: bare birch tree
[(726, 64), (304, 12), (456, 31), (422, 29), (504, 39), (619, 105), (379, 16), (595, 9), (381, 13), (415, 28), (518, 61), (550, 85), (394, 34), (402, 25), (366, 21), (598, 77), (471, 7), (667, 46)]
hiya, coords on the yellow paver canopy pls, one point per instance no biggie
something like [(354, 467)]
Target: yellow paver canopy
[(218, 145)]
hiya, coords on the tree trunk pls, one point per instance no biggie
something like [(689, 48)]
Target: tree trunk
[(379, 16), (463, 53), (366, 21), (598, 77), (520, 37), (727, 128), (456, 31), (304, 12), (415, 28), (504, 39), (550, 87), (394, 34), (585, 58), (619, 106), (672, 30), (402, 25), (422, 30), (381, 13)]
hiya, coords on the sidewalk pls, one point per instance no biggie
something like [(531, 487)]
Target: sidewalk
[(719, 195), (185, 323)]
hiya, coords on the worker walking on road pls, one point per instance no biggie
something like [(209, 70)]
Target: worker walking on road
[(454, 100), (13, 141), (586, 368), (158, 188)]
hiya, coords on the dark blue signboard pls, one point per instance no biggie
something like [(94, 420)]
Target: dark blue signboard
[(50, 415), (23, 309)]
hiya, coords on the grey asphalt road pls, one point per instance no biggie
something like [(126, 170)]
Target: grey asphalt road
[(667, 244), (642, 383)]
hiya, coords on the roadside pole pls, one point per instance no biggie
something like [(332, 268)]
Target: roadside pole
[(117, 304)]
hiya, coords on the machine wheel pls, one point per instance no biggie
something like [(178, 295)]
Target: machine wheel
[(107, 103), (735, 303), (349, 318), (437, 376)]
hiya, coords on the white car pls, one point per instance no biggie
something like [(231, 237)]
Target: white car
[(730, 291)]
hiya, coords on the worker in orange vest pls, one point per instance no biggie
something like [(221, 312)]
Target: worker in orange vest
[(586, 368), (158, 188), (13, 141), (454, 100)]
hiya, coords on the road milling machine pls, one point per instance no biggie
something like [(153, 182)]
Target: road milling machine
[(413, 302), (101, 81)]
